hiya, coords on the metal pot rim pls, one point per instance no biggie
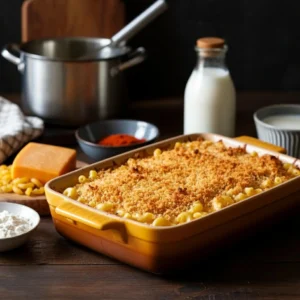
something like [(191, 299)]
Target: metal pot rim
[(117, 52)]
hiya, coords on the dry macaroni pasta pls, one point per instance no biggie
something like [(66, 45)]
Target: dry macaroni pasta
[(181, 184), (21, 186)]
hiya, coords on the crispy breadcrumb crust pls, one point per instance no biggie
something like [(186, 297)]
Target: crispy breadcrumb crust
[(169, 183)]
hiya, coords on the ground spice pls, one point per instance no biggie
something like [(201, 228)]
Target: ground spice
[(120, 140)]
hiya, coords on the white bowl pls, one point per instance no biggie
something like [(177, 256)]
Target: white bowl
[(286, 138), (24, 211)]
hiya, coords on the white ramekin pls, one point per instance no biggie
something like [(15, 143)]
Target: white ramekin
[(286, 138)]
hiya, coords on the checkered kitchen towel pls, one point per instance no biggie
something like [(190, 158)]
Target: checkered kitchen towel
[(15, 128)]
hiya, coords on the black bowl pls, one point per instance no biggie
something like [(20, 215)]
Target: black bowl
[(88, 136)]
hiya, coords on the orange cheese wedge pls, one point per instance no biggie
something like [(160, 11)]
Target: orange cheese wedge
[(43, 162)]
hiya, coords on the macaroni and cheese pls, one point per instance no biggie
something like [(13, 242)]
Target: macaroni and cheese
[(177, 185)]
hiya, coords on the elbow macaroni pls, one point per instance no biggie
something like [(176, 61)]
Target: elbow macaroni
[(20, 186), (197, 208)]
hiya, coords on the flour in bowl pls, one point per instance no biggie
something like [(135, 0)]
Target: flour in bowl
[(13, 225)]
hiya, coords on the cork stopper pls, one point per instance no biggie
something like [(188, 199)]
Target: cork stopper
[(210, 43)]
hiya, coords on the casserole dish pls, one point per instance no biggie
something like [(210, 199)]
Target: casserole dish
[(162, 249)]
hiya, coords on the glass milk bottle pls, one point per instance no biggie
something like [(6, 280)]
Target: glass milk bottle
[(209, 98)]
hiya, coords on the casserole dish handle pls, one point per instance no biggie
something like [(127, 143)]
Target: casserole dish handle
[(91, 219), (258, 143)]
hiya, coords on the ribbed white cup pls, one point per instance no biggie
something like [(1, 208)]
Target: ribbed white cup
[(286, 138)]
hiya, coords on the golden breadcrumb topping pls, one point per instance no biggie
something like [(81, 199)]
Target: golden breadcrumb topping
[(170, 182)]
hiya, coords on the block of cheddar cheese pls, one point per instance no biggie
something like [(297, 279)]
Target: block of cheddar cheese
[(43, 162)]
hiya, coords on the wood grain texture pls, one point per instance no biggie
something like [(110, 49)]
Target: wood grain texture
[(120, 282), (266, 266), (38, 203), (66, 18)]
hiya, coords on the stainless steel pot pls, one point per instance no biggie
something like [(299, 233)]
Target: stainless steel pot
[(63, 89)]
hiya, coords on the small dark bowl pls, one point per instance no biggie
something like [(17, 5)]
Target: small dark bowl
[(88, 136)]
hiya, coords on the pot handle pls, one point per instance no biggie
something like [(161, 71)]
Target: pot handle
[(9, 51), (138, 56)]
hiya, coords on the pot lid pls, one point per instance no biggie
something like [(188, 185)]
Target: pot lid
[(69, 49)]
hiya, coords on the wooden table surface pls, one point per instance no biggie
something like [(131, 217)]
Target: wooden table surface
[(263, 266)]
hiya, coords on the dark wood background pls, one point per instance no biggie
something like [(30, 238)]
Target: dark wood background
[(263, 40)]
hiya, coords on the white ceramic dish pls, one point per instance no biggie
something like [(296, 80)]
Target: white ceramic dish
[(26, 212), (277, 135)]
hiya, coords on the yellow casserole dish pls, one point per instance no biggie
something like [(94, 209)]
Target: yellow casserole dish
[(161, 249)]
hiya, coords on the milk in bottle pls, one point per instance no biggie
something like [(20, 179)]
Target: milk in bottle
[(209, 98)]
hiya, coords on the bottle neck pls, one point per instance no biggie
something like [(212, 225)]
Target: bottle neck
[(211, 58)]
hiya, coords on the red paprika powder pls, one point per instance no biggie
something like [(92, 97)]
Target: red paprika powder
[(120, 140)]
